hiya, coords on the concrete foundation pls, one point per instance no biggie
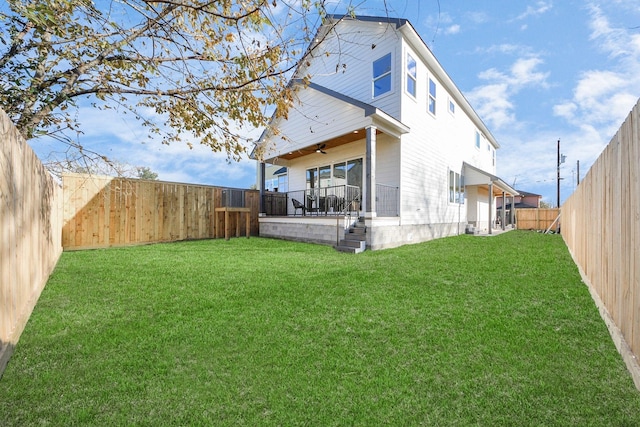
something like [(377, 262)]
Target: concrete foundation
[(381, 233)]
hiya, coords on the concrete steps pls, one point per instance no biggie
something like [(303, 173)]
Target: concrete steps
[(355, 239)]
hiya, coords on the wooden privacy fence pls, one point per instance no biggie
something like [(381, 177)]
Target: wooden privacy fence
[(601, 227), (107, 211), (536, 219), (30, 223)]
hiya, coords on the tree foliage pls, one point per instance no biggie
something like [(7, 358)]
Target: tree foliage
[(187, 69), (144, 172)]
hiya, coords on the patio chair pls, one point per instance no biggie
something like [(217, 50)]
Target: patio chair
[(297, 205), (334, 203), (311, 201)]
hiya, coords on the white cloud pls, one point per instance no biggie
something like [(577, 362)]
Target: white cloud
[(504, 48), (523, 72), (444, 18), (531, 160), (122, 138), (566, 110), (603, 97), (493, 101), (613, 41), (453, 29), (492, 104), (539, 8), (478, 17)]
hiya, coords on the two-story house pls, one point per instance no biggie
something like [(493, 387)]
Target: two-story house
[(381, 136)]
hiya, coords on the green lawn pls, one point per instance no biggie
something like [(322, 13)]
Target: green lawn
[(458, 331)]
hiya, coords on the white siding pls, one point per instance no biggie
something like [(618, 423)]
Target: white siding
[(418, 163), (428, 152), (436, 144), (348, 68), (387, 160), (315, 119)]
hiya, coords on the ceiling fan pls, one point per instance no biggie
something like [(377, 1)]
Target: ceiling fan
[(320, 148)]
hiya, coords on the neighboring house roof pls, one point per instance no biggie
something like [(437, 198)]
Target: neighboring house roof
[(527, 194), (281, 171), (519, 206), (476, 176)]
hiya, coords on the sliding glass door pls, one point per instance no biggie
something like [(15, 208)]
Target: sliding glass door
[(338, 174)]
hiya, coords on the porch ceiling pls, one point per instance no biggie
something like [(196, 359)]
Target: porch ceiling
[(330, 143), (330, 118), (482, 179), (497, 189)]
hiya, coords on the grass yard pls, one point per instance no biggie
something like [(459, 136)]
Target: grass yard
[(460, 331)]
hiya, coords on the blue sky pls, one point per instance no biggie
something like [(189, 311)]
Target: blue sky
[(535, 71)]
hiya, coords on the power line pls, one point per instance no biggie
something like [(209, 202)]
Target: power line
[(435, 33)]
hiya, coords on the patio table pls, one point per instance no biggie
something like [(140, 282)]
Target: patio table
[(227, 224)]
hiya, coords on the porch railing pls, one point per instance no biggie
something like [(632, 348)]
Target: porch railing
[(339, 199), (387, 200)]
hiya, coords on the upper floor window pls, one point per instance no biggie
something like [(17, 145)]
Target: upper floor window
[(452, 107), (432, 96), (477, 139), (382, 75), (411, 75)]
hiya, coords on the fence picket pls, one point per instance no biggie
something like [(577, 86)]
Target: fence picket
[(601, 229), (105, 211)]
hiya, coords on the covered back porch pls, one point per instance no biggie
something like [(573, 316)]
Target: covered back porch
[(482, 189), (331, 145)]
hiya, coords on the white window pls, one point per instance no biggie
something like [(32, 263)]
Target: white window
[(456, 187), (477, 139), (342, 173), (411, 75), (452, 107), (283, 182), (432, 97), (382, 75), (271, 184)]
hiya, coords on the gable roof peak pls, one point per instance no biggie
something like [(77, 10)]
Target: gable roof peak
[(398, 22)]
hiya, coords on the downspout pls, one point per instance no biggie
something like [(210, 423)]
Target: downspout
[(504, 210), (490, 206), (459, 207)]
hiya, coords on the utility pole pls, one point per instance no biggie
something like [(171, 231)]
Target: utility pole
[(560, 161), (578, 172), (558, 169)]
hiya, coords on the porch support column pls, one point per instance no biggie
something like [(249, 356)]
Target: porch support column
[(370, 195), (490, 206), (504, 210), (262, 186)]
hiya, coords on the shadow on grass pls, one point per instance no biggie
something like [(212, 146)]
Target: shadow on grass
[(6, 351)]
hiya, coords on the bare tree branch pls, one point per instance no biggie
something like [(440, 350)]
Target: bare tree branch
[(199, 65)]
